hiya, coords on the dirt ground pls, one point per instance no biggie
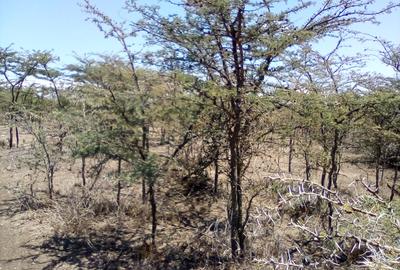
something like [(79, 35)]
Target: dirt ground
[(27, 241), (20, 231)]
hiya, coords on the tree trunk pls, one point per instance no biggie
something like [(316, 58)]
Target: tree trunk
[(330, 218), (144, 195), (10, 138), (119, 183), (50, 175), (235, 215), (17, 136), (162, 137), (323, 176), (308, 166), (332, 176), (291, 150), (216, 173), (83, 169), (145, 149), (153, 204), (394, 183)]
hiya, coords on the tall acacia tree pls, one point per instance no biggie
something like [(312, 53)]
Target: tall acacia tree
[(15, 69), (118, 31), (236, 45)]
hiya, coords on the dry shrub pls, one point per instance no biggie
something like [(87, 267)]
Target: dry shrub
[(196, 185), (27, 200), (30, 202), (209, 249), (301, 209), (78, 210), (364, 233)]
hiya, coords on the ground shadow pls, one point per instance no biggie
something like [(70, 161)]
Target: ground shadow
[(102, 250), (16, 205), (117, 250)]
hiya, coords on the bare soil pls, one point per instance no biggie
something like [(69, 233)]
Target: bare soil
[(29, 238), (20, 231)]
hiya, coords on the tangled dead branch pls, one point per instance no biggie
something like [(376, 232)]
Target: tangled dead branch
[(365, 228)]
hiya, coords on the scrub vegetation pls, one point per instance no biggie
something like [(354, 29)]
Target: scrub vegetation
[(228, 142)]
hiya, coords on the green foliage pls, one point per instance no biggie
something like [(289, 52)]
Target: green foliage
[(380, 128), (148, 169)]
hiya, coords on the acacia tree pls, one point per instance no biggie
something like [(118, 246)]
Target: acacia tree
[(235, 44), (16, 68), (380, 129), (109, 122), (107, 115), (115, 30), (391, 56)]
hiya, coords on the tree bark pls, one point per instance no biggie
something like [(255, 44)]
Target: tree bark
[(323, 176), (50, 176), (235, 216), (10, 138), (17, 137), (144, 195), (83, 169), (291, 150), (332, 176), (153, 205), (394, 183), (308, 165), (216, 173), (119, 183), (145, 149)]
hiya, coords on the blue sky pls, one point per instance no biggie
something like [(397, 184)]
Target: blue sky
[(60, 26), (57, 25)]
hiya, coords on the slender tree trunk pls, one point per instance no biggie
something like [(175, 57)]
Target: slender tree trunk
[(162, 137), (323, 176), (17, 136), (308, 165), (216, 173), (145, 138), (291, 150), (10, 138), (394, 183), (330, 218), (119, 183), (144, 195), (50, 176), (153, 204), (234, 207), (83, 170), (237, 230), (145, 149), (377, 168), (332, 176), (338, 166)]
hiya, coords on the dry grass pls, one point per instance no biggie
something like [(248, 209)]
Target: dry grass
[(89, 230)]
